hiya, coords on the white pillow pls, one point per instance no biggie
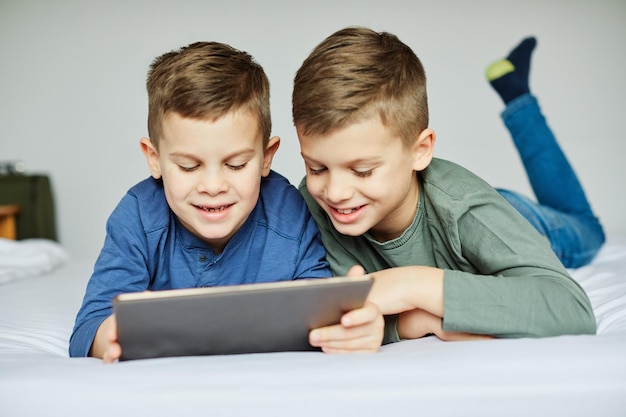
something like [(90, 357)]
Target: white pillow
[(29, 257)]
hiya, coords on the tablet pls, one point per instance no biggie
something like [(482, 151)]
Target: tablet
[(249, 318)]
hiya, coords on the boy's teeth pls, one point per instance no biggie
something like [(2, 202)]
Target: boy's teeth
[(213, 209), (346, 211)]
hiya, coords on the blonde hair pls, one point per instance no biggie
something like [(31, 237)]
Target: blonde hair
[(206, 80), (355, 74)]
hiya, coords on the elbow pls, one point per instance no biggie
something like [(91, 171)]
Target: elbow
[(574, 316), (584, 325)]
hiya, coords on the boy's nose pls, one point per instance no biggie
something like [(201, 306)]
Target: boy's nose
[(212, 183), (338, 189)]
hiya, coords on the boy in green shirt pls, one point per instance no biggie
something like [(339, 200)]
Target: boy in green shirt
[(450, 256)]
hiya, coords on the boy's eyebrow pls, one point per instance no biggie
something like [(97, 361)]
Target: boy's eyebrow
[(242, 152), (362, 160)]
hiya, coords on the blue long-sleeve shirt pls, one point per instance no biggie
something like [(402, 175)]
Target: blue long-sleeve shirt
[(147, 248)]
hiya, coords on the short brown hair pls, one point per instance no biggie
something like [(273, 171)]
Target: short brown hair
[(206, 80), (356, 73)]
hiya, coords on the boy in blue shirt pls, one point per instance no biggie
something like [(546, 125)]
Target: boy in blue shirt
[(212, 213)]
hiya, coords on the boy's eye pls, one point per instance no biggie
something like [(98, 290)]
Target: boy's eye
[(316, 171), (366, 173), (188, 168), (236, 167)]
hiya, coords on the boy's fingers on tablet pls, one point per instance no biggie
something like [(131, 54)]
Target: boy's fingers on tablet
[(368, 314), (362, 343), (359, 338), (318, 336), (112, 329), (356, 271), (324, 335), (112, 353)]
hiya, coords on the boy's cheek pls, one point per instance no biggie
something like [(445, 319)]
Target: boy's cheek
[(314, 186)]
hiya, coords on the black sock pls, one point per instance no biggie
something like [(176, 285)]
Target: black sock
[(509, 77)]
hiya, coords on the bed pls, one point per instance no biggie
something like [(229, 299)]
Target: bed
[(42, 290)]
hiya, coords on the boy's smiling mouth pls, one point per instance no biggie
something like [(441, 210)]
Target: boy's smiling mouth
[(346, 215), (347, 211), (214, 209)]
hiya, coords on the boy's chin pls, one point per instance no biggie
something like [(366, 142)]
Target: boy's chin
[(353, 230)]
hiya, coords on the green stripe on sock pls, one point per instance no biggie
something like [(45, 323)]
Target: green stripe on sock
[(499, 68)]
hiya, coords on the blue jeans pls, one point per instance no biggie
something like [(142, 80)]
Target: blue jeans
[(562, 212)]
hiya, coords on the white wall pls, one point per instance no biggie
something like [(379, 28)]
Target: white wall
[(73, 103)]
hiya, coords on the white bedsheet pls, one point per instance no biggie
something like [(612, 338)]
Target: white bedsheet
[(568, 375), (604, 280)]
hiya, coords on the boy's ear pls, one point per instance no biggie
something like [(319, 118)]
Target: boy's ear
[(268, 154), (423, 149), (152, 157)]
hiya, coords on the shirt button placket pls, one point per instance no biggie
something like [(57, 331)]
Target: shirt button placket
[(202, 261)]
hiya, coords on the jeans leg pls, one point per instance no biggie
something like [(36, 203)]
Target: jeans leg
[(574, 239), (551, 177), (563, 213)]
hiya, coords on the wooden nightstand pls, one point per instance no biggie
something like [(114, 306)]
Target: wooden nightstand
[(7, 221)]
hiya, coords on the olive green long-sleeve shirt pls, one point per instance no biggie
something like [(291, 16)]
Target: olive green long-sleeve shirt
[(501, 277)]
